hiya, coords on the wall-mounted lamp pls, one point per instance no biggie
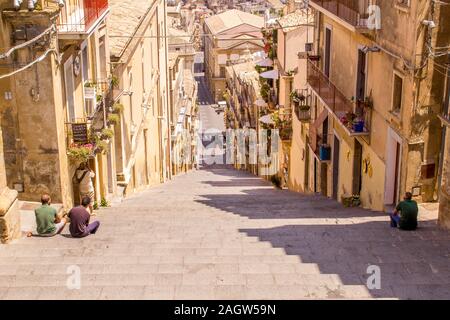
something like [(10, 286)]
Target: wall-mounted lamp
[(367, 49), (429, 23)]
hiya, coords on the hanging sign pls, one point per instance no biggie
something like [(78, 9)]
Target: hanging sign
[(80, 133)]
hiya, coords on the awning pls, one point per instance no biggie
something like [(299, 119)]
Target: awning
[(267, 62), (267, 119), (272, 74), (260, 103), (259, 55)]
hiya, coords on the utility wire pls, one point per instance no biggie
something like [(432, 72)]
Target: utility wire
[(39, 59), (50, 30)]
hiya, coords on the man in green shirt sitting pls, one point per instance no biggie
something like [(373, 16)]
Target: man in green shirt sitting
[(48, 221), (405, 214)]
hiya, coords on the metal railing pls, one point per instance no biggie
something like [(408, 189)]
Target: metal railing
[(342, 107), (77, 16), (352, 11)]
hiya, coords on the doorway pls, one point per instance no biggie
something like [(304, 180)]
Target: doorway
[(357, 168), (336, 151), (361, 76), (393, 168), (327, 58)]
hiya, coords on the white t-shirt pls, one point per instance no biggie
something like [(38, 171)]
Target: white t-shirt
[(86, 184)]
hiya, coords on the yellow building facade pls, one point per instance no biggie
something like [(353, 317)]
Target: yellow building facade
[(375, 130)]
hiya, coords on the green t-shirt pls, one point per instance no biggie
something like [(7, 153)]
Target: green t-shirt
[(408, 214), (45, 219)]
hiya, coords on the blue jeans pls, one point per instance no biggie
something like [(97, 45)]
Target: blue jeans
[(92, 227), (395, 219)]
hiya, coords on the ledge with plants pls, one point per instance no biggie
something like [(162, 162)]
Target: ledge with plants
[(80, 153)]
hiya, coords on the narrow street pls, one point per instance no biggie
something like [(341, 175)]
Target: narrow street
[(218, 233), (221, 233)]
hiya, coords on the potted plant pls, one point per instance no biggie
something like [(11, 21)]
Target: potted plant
[(79, 153), (297, 98), (113, 119), (348, 119), (90, 90), (276, 181), (106, 134), (325, 152), (118, 108), (101, 147), (358, 125)]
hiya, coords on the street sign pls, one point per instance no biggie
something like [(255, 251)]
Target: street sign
[(80, 133)]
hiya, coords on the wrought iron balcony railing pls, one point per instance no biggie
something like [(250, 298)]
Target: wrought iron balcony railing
[(353, 116), (353, 12), (78, 16)]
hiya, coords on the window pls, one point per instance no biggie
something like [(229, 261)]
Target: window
[(222, 72), (397, 98), (85, 63)]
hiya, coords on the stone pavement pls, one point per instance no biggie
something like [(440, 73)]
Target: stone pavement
[(218, 233)]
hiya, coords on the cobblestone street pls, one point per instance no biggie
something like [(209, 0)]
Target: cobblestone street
[(221, 233)]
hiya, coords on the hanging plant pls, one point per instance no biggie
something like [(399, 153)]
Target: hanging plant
[(101, 147), (79, 153), (114, 81), (113, 119), (89, 84), (106, 134), (99, 98), (118, 108)]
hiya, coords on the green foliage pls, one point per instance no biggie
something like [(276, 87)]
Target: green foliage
[(113, 118), (104, 202), (107, 133), (95, 206), (114, 81), (260, 69), (118, 108), (89, 84), (77, 154), (265, 90), (276, 181), (102, 146), (99, 98)]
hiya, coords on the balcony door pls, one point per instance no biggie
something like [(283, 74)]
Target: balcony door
[(361, 76), (357, 168), (327, 54), (336, 153), (393, 168)]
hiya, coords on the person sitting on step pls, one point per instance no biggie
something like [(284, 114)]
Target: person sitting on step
[(48, 221), (79, 220), (405, 214)]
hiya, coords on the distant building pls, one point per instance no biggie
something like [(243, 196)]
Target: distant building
[(226, 37), (142, 136)]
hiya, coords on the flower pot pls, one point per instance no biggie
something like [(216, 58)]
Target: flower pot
[(358, 126), (324, 152)]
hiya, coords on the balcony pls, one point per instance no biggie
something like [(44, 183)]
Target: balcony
[(354, 117), (352, 12), (80, 17)]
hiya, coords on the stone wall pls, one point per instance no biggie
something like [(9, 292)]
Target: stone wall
[(9, 216), (444, 196)]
